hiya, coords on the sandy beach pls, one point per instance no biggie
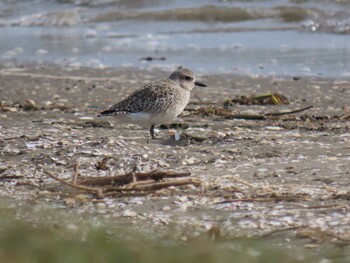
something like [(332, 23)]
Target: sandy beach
[(284, 178)]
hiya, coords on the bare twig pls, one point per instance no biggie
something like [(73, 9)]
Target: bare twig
[(263, 200), (318, 234), (76, 172), (246, 116), (128, 178), (307, 231), (331, 207), (81, 187), (161, 185), (198, 98), (329, 234), (243, 182), (208, 111), (343, 117), (28, 183), (9, 177), (289, 112), (265, 116), (279, 230), (120, 189), (128, 194)]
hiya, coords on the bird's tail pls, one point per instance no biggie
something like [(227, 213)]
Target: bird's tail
[(106, 113)]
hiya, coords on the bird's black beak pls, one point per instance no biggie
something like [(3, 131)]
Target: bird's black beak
[(200, 84)]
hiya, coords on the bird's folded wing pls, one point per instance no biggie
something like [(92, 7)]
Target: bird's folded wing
[(153, 97)]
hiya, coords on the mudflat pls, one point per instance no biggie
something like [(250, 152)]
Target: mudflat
[(283, 176)]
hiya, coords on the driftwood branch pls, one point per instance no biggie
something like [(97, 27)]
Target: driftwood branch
[(160, 185), (128, 178), (81, 187), (145, 183)]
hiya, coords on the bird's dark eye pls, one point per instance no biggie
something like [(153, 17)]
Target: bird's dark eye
[(188, 78)]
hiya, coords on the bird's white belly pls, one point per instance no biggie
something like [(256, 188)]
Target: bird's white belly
[(147, 119)]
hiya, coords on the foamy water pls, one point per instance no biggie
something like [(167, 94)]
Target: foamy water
[(247, 37)]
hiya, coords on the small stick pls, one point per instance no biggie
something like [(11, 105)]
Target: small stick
[(76, 172), (7, 177), (330, 207), (324, 233), (262, 116), (128, 194), (279, 230), (161, 185), (266, 115), (195, 94), (127, 178), (246, 116), (320, 233), (262, 200), (141, 186), (28, 183), (136, 183), (81, 187), (243, 182), (344, 116), (120, 189), (289, 112), (345, 240)]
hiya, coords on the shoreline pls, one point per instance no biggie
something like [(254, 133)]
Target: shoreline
[(73, 72)]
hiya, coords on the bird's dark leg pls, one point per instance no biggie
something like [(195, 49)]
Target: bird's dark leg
[(152, 131)]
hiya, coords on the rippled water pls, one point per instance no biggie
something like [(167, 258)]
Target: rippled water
[(280, 37)]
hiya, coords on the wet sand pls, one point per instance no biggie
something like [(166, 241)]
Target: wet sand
[(257, 176)]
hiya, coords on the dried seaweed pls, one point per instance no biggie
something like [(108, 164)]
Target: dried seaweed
[(264, 99), (102, 165), (30, 105)]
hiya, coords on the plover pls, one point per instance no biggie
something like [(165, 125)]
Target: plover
[(156, 103)]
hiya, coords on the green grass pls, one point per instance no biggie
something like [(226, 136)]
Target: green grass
[(20, 242)]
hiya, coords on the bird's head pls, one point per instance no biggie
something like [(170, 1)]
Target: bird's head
[(185, 78)]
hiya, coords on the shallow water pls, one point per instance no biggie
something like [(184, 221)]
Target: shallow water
[(245, 37)]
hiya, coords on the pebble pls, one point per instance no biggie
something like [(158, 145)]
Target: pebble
[(273, 128), (129, 213), (166, 208)]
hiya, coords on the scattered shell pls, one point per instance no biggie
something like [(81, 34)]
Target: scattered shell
[(129, 213)]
